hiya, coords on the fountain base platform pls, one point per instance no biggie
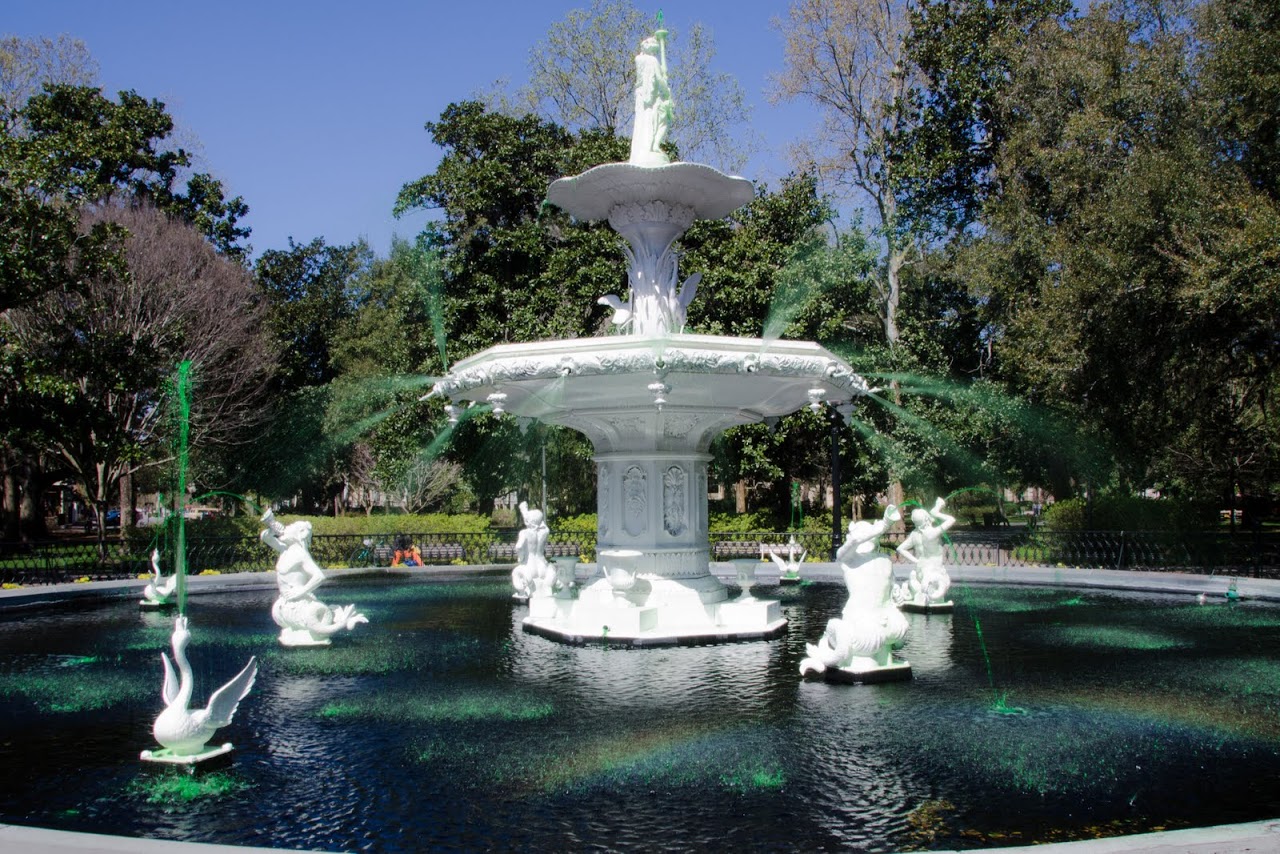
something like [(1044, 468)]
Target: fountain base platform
[(302, 639), (655, 612), (928, 607), (899, 671), (148, 605), (193, 761), (692, 637)]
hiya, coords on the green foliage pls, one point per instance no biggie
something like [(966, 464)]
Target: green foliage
[(1123, 513), (389, 525), (1121, 269), (740, 523), (68, 147), (313, 292), (581, 523), (768, 270), (1240, 76), (295, 455), (967, 53), (89, 148), (513, 270)]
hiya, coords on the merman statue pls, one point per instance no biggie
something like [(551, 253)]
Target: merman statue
[(926, 587), (303, 619), (857, 646)]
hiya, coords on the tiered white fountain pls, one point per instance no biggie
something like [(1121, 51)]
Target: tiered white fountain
[(651, 400)]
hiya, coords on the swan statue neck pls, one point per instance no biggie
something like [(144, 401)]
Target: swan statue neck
[(186, 684)]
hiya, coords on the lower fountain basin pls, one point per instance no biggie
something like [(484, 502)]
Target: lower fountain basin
[(1035, 714)]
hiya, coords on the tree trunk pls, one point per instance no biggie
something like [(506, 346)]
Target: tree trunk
[(128, 502), (31, 484), (895, 260), (9, 522), (740, 496)]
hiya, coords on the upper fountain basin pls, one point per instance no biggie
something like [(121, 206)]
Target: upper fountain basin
[(593, 195), (570, 382)]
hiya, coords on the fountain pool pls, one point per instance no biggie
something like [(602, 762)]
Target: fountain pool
[(1035, 714)]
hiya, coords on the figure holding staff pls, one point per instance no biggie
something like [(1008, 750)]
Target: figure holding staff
[(653, 101)]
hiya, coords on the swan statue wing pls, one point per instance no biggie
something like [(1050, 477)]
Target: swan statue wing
[(169, 691), (688, 289), (224, 702)]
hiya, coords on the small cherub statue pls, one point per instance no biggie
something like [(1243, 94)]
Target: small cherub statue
[(533, 575)]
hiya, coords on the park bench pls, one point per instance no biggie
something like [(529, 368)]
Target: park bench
[(506, 552), (442, 552), (730, 549)]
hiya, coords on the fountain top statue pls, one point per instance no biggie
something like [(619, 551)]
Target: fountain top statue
[(653, 102)]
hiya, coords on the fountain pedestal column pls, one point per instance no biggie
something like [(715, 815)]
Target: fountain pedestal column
[(654, 582)]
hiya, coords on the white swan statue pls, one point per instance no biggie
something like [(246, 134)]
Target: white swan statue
[(184, 732), (159, 590), (622, 311), (789, 566)]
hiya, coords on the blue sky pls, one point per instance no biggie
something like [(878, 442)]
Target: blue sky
[(314, 111)]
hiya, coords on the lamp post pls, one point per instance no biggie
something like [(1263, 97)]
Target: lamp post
[(837, 415), (836, 527)]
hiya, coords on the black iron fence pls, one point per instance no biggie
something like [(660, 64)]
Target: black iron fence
[(1239, 553)]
